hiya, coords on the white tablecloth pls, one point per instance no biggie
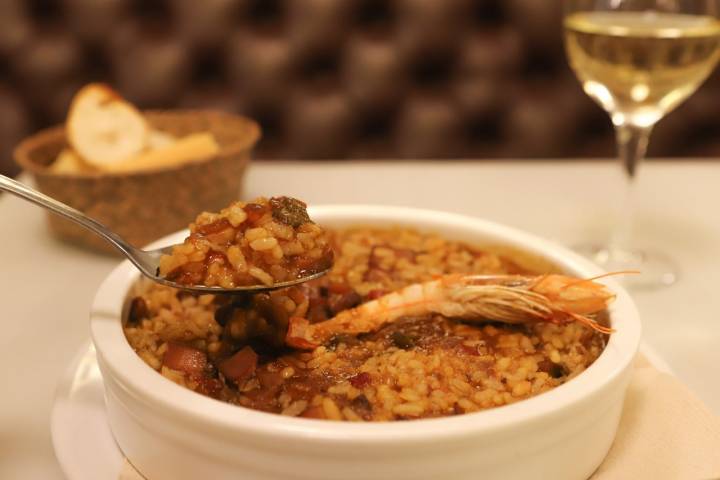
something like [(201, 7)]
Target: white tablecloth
[(46, 286)]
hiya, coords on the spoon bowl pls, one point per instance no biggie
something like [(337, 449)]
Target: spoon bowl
[(147, 261)]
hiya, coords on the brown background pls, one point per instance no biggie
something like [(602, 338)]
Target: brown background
[(330, 78)]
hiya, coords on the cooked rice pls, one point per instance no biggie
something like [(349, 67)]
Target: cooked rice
[(414, 368), (260, 242)]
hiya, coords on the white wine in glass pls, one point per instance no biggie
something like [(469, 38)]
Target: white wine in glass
[(639, 60)]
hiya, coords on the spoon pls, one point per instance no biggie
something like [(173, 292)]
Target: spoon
[(147, 261)]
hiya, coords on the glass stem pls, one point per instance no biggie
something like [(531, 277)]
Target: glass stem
[(632, 144)]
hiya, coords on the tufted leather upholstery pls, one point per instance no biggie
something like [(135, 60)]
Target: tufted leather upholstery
[(330, 78)]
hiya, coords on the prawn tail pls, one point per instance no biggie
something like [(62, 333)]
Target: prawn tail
[(299, 334)]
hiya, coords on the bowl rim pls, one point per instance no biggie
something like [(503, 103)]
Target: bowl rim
[(129, 371), (21, 152)]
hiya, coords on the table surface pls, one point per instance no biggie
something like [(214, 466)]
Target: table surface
[(47, 286)]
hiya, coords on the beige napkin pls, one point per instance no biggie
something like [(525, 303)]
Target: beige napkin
[(666, 433)]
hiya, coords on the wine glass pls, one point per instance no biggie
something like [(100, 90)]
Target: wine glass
[(639, 59)]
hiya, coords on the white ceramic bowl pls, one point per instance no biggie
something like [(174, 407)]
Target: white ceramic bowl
[(169, 432)]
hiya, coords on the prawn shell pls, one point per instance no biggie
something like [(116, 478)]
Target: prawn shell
[(511, 299), (572, 295)]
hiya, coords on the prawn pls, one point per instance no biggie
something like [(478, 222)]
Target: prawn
[(511, 299)]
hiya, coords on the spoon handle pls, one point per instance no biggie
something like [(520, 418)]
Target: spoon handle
[(23, 191)]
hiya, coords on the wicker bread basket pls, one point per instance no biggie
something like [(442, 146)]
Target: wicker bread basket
[(146, 205)]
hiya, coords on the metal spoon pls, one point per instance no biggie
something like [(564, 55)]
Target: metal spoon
[(147, 261)]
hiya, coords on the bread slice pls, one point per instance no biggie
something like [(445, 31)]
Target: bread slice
[(103, 128), (159, 139), (194, 147), (68, 162)]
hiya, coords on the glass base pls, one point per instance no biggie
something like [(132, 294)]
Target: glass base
[(656, 269)]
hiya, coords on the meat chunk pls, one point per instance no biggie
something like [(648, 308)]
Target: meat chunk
[(240, 366), (185, 359)]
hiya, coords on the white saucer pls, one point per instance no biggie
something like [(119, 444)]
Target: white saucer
[(81, 436)]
